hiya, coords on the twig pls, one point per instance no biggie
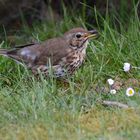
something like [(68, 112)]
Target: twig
[(114, 103)]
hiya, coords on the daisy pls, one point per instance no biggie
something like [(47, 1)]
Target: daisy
[(126, 67), (110, 81), (130, 91), (113, 91)]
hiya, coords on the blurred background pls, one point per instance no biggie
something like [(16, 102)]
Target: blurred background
[(16, 13)]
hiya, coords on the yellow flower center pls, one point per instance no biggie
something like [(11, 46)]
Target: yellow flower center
[(130, 92)]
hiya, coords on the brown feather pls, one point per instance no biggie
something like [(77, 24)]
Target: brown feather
[(65, 53)]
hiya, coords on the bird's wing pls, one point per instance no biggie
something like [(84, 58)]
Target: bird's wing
[(40, 54), (21, 53), (25, 45), (54, 50)]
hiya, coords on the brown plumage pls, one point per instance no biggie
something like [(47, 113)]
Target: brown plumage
[(61, 55)]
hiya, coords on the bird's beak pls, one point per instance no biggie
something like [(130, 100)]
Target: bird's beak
[(93, 34)]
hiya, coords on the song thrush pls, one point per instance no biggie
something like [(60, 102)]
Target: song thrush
[(62, 55)]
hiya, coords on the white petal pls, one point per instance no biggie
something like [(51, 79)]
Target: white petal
[(110, 81), (126, 67), (130, 91), (113, 91)]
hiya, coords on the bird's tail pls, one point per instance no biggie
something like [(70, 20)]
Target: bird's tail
[(3, 52)]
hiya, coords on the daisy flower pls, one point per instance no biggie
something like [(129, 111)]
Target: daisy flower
[(113, 91), (126, 67), (130, 91), (110, 81)]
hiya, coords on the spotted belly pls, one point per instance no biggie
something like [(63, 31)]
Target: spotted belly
[(75, 62), (65, 67), (56, 71)]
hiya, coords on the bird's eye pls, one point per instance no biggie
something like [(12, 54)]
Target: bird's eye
[(78, 35)]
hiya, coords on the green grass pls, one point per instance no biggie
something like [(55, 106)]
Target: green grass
[(48, 109)]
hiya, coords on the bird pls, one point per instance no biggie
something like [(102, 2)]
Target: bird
[(60, 56)]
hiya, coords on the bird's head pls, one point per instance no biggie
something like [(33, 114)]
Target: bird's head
[(78, 37)]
